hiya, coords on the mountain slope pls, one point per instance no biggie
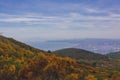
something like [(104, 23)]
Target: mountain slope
[(79, 54), (115, 55), (10, 47), (14, 43), (19, 61), (89, 58)]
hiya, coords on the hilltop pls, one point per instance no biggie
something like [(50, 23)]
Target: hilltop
[(79, 54), (89, 58), (115, 55)]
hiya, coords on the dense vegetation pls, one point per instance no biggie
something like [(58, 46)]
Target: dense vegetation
[(114, 55), (90, 58), (19, 61), (79, 54)]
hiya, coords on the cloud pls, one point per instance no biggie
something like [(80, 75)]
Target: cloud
[(71, 20), (17, 19), (57, 20), (71, 16), (42, 34), (92, 10)]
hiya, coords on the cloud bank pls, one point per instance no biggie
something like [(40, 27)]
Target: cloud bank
[(53, 19)]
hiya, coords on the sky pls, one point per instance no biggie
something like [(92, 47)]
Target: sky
[(60, 19)]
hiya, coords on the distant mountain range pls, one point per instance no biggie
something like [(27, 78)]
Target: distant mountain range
[(102, 46)]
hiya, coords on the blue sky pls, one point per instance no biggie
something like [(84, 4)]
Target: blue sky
[(60, 19)]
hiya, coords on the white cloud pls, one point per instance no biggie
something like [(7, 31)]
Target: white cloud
[(92, 10), (72, 25), (65, 22)]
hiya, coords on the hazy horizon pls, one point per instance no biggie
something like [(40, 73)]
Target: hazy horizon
[(60, 19)]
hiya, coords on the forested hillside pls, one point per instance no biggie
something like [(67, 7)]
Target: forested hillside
[(19, 61), (115, 55), (90, 58), (79, 54)]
